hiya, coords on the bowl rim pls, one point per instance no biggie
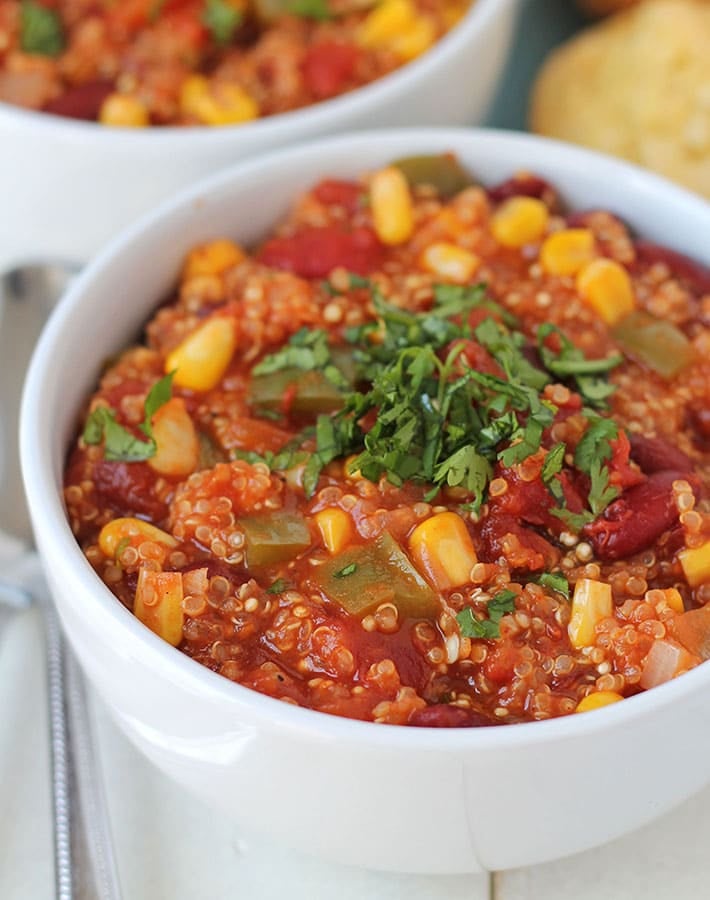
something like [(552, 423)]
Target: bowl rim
[(44, 498), (311, 118)]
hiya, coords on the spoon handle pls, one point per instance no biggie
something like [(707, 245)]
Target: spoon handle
[(84, 863), (93, 807), (60, 751)]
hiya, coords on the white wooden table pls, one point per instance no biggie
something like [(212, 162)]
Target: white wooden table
[(170, 847)]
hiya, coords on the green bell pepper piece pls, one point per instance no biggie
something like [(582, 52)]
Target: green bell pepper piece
[(443, 172), (364, 576), (655, 343), (274, 537)]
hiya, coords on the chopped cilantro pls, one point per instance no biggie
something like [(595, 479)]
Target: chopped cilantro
[(350, 569), (355, 281), (426, 415), (601, 493), (119, 444), (222, 19), (488, 629), (310, 9), (41, 30), (555, 581), (574, 521), (571, 362), (551, 468), (307, 350), (594, 445), (278, 587), (454, 298)]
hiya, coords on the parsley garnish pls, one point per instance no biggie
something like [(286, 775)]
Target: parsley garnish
[(551, 467), (350, 569), (307, 350), (119, 444), (571, 362), (355, 281), (41, 29), (592, 451), (488, 629), (427, 416), (310, 9), (278, 587), (601, 493), (555, 581), (594, 444), (222, 19)]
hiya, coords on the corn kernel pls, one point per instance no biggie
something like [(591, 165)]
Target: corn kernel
[(123, 111), (442, 549), (134, 531), (177, 445), (391, 205), (606, 287), (597, 700), (590, 604), (674, 600), (201, 360), (695, 562), (217, 103), (158, 603), (566, 252), (519, 221), (213, 258), (414, 40), (336, 529), (385, 23), (450, 262)]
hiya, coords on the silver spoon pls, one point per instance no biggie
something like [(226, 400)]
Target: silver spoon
[(83, 852)]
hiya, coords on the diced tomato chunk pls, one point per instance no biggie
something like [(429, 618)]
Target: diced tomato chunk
[(328, 67), (315, 252), (621, 473), (500, 663), (333, 192)]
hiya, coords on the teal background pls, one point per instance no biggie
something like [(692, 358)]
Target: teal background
[(543, 24)]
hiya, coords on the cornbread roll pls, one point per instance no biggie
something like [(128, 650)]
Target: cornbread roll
[(636, 85)]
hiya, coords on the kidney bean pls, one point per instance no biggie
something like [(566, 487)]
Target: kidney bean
[(128, 489), (699, 421), (524, 185), (533, 552), (658, 455), (694, 274), (638, 517), (82, 102), (315, 252), (442, 715)]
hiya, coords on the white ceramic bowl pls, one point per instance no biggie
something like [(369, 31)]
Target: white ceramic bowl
[(68, 186), (387, 797)]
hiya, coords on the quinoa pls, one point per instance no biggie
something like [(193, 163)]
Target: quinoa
[(533, 615)]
